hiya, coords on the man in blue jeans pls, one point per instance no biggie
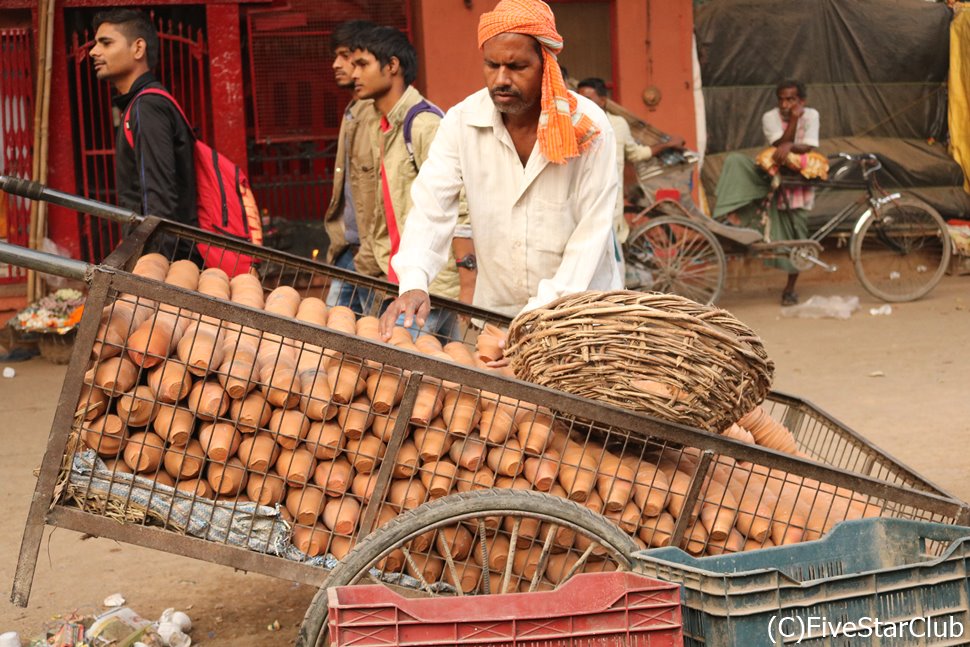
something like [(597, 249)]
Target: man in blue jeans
[(352, 204)]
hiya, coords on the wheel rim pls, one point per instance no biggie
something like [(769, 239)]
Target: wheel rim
[(677, 258), (902, 252), (448, 558)]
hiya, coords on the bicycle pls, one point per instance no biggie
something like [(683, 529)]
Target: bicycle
[(899, 245)]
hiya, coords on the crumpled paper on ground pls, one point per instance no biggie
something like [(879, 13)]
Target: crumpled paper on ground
[(818, 307)]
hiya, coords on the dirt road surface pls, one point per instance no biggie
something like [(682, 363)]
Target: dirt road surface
[(900, 380)]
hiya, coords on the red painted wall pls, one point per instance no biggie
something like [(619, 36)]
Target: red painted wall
[(226, 81), (652, 46)]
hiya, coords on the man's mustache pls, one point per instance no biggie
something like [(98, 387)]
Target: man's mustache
[(505, 89)]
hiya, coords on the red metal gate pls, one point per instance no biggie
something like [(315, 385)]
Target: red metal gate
[(296, 105), (16, 137), (182, 69)]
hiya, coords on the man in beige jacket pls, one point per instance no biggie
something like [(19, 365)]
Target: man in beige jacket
[(385, 66), (354, 178)]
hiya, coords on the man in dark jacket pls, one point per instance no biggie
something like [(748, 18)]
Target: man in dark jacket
[(155, 176)]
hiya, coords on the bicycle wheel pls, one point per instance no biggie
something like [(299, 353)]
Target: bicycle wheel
[(529, 540), (901, 252), (675, 255)]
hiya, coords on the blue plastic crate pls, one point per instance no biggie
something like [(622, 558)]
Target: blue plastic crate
[(892, 570)]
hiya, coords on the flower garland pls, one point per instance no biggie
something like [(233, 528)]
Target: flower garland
[(58, 312)]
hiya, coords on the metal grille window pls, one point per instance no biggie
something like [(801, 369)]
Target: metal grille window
[(16, 137)]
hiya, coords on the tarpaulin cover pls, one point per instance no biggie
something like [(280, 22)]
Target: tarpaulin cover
[(872, 67), (960, 91), (922, 169)]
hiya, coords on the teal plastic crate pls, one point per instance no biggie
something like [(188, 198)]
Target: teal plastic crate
[(913, 577)]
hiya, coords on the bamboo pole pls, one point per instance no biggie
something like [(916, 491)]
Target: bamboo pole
[(38, 210)]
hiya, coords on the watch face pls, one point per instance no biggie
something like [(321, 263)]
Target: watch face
[(467, 262)]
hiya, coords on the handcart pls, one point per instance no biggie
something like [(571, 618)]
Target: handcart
[(83, 485)]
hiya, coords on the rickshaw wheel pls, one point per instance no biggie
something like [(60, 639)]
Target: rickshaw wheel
[(674, 255)]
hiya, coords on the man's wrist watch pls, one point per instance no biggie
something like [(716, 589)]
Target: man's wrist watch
[(467, 261)]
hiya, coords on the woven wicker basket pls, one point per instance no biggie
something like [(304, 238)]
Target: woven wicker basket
[(660, 354)]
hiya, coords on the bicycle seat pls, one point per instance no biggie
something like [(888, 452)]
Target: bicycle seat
[(740, 235)]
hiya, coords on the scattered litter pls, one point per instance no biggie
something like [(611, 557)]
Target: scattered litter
[(116, 627), (178, 618), (10, 639), (114, 600), (8, 371), (877, 374), (884, 309), (818, 307), (274, 627)]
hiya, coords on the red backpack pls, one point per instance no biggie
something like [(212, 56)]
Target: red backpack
[(225, 202)]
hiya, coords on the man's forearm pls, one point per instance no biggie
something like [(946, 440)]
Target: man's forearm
[(462, 247)]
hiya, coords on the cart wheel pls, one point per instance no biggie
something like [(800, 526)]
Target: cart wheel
[(530, 540), (675, 255)]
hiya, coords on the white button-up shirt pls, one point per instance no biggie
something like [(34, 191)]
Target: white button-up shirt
[(541, 231)]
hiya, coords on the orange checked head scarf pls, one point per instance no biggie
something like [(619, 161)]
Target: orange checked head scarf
[(563, 132)]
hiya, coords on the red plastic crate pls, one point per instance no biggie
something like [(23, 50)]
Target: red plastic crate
[(601, 609)]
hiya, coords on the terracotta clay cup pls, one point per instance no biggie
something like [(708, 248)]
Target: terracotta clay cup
[(438, 477), (407, 460), (174, 424), (229, 478), (184, 274), (433, 441), (533, 430), (138, 407), (615, 482), (184, 462), (347, 379), (169, 382), (385, 388), (657, 531), (208, 400), (497, 421), (258, 452), (425, 567), (365, 453), (161, 477), (116, 376), (507, 459), (91, 403), (334, 476), (542, 471), (266, 489), (383, 426), (363, 486), (406, 494), (220, 440), (214, 282), (199, 488), (289, 427), (341, 515), (313, 541), (488, 347), (105, 435), (460, 411), (316, 399), (355, 418), (578, 472), (324, 439), (497, 547), (428, 404), (454, 540), (341, 546), (305, 504), (468, 452), (143, 452), (481, 479), (250, 413), (295, 466)]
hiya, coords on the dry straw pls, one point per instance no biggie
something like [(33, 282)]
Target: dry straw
[(659, 354)]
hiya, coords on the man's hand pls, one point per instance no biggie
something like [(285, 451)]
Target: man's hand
[(676, 142), (797, 110), (502, 361), (781, 152), (415, 305)]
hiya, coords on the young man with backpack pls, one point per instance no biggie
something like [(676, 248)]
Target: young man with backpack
[(155, 174), (385, 66)]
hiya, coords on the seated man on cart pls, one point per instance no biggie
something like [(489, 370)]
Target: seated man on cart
[(746, 195)]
